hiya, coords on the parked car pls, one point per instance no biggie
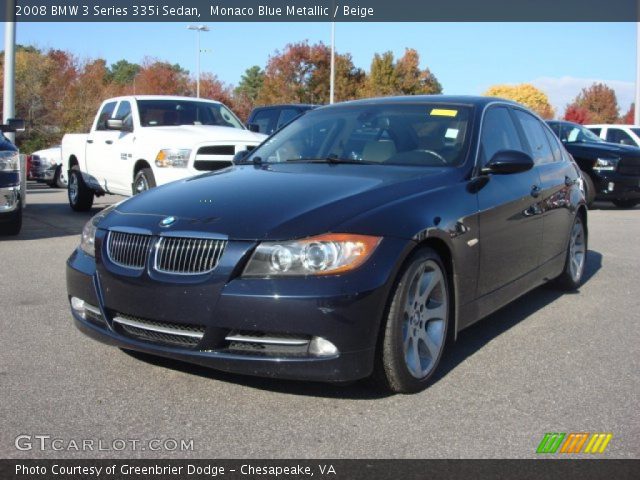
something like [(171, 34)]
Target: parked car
[(139, 142), (46, 167), (12, 181), (610, 172), (355, 241), (622, 134), (271, 118)]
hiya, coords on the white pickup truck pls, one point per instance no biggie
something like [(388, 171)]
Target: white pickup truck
[(139, 142)]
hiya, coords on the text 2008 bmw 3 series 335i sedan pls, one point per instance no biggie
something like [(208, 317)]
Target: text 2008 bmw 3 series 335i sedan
[(357, 240)]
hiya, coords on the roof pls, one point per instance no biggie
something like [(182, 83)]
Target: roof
[(284, 105), (458, 99), (163, 97)]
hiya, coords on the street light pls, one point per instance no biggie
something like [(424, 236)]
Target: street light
[(332, 78), (198, 28)]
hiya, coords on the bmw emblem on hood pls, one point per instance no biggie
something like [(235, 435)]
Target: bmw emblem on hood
[(166, 222)]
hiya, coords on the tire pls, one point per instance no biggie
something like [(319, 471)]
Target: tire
[(12, 223), (571, 276), (589, 188), (79, 194), (414, 336), (57, 178), (625, 203), (143, 181)]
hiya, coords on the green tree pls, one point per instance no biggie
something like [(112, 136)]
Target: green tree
[(123, 72), (382, 79), (251, 83)]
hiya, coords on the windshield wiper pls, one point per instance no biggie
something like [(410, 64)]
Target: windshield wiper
[(333, 159)]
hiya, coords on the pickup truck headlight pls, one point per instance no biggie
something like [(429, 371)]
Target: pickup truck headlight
[(322, 255), (173, 157), (88, 236), (606, 164), (9, 161)]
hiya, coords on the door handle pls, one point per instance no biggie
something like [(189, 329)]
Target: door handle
[(108, 142), (89, 141), (535, 191)]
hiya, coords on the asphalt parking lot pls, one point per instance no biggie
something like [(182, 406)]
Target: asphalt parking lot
[(547, 363)]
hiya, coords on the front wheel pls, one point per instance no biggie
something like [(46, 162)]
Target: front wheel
[(571, 276), (416, 327), (80, 195), (143, 181), (625, 203), (589, 188)]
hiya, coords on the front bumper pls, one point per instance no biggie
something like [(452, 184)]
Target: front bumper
[(345, 311), (614, 186), (45, 174), (9, 199)]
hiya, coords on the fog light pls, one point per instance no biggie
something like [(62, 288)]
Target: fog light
[(322, 347), (78, 306), (611, 186)]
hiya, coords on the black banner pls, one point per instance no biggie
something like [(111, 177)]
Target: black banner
[(320, 10), (319, 469)]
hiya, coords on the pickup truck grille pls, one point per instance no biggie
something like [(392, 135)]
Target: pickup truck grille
[(629, 166), (188, 256), (211, 165), (129, 250), (217, 150)]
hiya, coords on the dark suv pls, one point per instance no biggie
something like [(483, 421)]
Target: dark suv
[(12, 181), (610, 171), (270, 119)]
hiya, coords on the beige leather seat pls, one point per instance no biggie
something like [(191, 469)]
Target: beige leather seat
[(378, 151)]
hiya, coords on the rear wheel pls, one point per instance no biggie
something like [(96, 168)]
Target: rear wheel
[(143, 181), (416, 327), (625, 203), (57, 178), (80, 195), (589, 188), (11, 224), (571, 276)]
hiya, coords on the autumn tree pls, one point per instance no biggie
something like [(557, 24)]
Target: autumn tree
[(382, 79), (411, 80), (525, 94), (577, 114), (162, 78), (601, 103), (629, 117)]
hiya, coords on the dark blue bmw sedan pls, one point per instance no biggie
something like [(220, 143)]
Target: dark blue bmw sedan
[(356, 241)]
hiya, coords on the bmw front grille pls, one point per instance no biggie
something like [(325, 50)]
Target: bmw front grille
[(174, 255)]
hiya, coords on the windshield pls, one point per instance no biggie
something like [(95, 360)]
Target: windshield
[(636, 131), (430, 135), (579, 134), (165, 113)]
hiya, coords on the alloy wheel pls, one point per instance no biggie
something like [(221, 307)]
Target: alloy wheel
[(424, 319), (577, 251)]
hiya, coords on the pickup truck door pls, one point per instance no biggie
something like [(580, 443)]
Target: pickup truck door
[(121, 155), (99, 150)]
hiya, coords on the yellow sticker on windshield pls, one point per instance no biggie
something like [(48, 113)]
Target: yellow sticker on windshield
[(443, 112)]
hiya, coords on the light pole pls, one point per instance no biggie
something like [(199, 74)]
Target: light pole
[(198, 29), (636, 116), (333, 62), (9, 65)]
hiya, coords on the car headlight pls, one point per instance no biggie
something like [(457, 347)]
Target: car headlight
[(9, 161), (173, 157), (606, 164), (322, 255), (88, 235)]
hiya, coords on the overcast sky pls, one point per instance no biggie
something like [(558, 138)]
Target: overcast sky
[(560, 58)]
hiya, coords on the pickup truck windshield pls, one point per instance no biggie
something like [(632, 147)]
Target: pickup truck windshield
[(170, 113), (424, 135)]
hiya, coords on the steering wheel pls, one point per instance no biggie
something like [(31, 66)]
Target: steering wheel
[(437, 155)]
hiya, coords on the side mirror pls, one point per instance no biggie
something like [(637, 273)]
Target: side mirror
[(13, 125), (508, 161), (241, 155), (253, 127), (115, 124)]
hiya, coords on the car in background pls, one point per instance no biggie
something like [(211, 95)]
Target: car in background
[(143, 141), (12, 181), (622, 134), (610, 171), (355, 241), (272, 118), (46, 167)]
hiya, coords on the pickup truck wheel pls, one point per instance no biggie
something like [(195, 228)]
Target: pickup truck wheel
[(13, 223), (625, 203), (57, 178), (80, 195), (589, 188), (143, 181)]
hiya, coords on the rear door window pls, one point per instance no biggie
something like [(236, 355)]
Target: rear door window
[(617, 135)]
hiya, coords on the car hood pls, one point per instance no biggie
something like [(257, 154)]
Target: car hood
[(196, 134), (595, 149), (276, 202)]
